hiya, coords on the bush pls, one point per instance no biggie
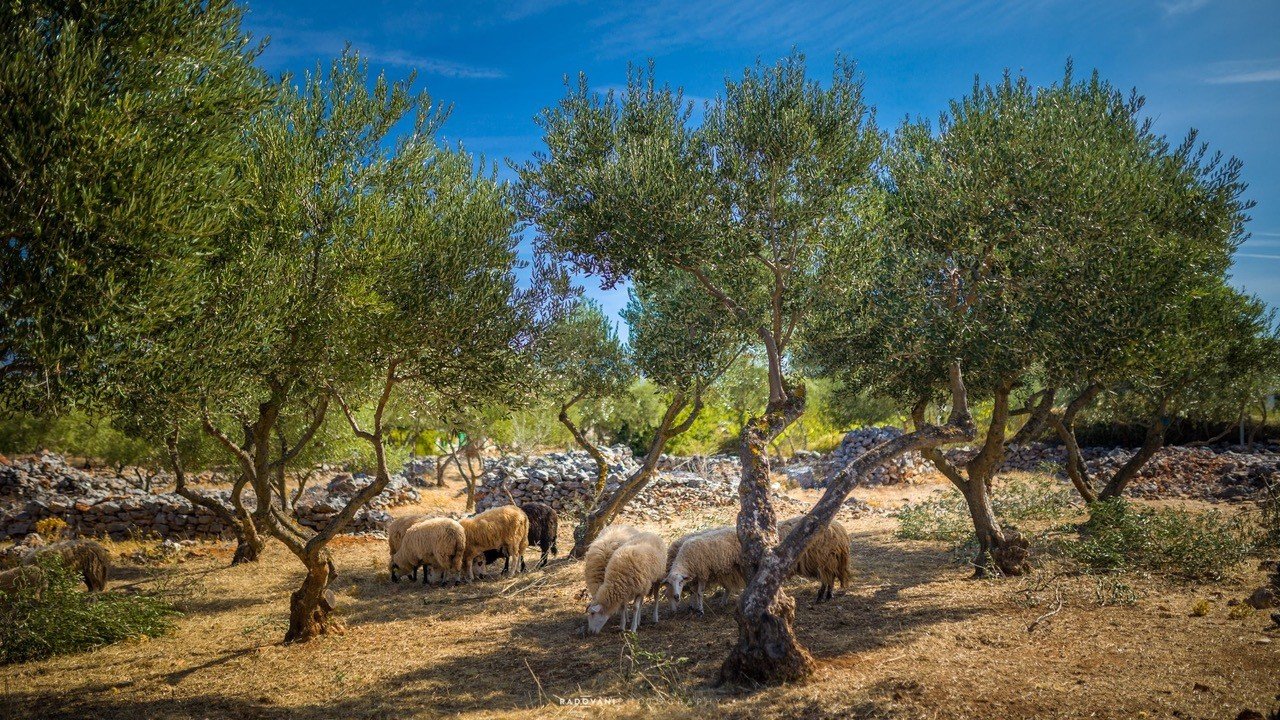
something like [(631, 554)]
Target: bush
[(1174, 542), (946, 517), (63, 619)]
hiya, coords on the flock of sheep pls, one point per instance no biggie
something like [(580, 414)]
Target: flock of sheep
[(622, 566)]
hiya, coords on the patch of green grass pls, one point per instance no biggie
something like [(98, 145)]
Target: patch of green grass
[(1173, 542), (60, 618), (944, 516)]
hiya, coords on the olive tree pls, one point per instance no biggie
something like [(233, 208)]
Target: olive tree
[(118, 142), (682, 343), (744, 206), (581, 358), (1042, 235)]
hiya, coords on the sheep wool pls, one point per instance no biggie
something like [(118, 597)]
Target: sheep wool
[(826, 559), (599, 552), (710, 558), (395, 533), (435, 542), (504, 528), (634, 571), (544, 524)]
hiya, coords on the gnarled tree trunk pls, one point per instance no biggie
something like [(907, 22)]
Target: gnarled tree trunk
[(1003, 551), (768, 651)]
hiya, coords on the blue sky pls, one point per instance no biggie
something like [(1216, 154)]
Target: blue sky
[(1209, 64)]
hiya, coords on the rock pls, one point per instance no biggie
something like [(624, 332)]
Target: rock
[(1263, 598)]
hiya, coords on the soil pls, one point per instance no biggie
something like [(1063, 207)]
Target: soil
[(912, 637)]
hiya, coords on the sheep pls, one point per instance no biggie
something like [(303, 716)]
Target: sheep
[(543, 526), (395, 533), (709, 558), (633, 571), (20, 578), (435, 543), (599, 552), (826, 559), (87, 557), (504, 528)]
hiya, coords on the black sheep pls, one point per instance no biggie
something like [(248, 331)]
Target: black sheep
[(543, 524)]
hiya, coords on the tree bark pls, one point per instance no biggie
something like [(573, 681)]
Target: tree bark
[(767, 650), (310, 605), (1151, 444), (248, 543), (1004, 552)]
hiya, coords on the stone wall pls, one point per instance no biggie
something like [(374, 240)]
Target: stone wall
[(101, 505)]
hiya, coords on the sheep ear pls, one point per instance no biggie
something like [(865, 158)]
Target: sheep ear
[(594, 609)]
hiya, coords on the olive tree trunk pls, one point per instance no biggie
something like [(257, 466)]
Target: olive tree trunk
[(602, 465), (608, 508), (1001, 551), (767, 650)]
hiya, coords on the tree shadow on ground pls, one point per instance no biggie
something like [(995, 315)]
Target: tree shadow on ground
[(548, 656)]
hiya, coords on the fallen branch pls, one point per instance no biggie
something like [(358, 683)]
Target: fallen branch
[(1058, 594)]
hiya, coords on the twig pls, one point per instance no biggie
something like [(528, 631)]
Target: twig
[(1049, 614), (542, 698)]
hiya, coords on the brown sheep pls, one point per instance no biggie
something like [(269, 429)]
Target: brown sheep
[(826, 559), (504, 528)]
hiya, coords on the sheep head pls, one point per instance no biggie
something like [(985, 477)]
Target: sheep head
[(675, 584), (597, 616)]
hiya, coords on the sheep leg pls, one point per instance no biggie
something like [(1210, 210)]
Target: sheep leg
[(635, 616), (702, 586), (657, 591), (543, 562), (623, 613)]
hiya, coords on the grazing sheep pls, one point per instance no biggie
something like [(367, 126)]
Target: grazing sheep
[(709, 558), (633, 571), (543, 526), (599, 552), (395, 533), (19, 578), (504, 528), (436, 543), (86, 557), (826, 559)]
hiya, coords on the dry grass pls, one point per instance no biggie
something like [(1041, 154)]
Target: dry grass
[(911, 638)]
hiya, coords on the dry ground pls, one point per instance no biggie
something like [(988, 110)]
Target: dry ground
[(911, 638)]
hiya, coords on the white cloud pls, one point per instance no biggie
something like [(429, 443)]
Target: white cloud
[(434, 66), (1244, 71), (1182, 7), (1258, 256)]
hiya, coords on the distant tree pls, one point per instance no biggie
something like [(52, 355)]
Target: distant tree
[(681, 342), (744, 206), (581, 358), (118, 143)]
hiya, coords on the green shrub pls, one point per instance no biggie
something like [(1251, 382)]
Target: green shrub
[(63, 619), (1173, 542), (944, 516)]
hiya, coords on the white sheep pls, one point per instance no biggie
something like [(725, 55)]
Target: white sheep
[(825, 559), (395, 533), (633, 571), (438, 543), (504, 528), (599, 552), (707, 559)]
